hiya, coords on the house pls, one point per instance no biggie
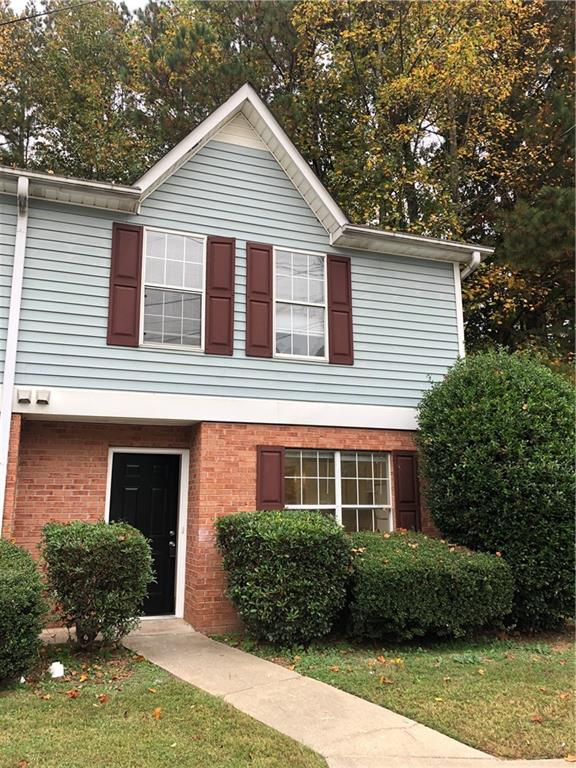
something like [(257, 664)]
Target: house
[(216, 338)]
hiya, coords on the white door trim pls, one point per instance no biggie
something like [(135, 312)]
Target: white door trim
[(184, 454)]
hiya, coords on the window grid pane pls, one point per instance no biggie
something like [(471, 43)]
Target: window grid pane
[(174, 274), (364, 486), (300, 313)]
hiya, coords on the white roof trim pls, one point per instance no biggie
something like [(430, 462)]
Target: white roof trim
[(63, 189), (404, 244), (247, 101)]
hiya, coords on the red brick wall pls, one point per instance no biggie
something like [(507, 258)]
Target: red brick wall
[(63, 469), (223, 481), (62, 475), (11, 477)]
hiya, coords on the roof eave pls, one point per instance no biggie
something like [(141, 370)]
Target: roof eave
[(362, 238), (60, 189), (247, 101)]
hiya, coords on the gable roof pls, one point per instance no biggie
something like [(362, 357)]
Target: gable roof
[(265, 130), (247, 102)]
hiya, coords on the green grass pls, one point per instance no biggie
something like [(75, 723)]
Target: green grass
[(512, 698), (115, 709)]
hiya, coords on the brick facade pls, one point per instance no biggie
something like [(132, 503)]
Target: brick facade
[(62, 470)]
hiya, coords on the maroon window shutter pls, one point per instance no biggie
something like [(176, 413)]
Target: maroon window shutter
[(341, 343), (259, 300), (220, 258), (270, 477), (406, 490), (125, 281)]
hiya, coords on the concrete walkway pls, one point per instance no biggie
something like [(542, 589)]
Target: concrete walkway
[(347, 731)]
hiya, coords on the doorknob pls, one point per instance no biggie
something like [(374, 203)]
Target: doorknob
[(172, 545), (172, 533)]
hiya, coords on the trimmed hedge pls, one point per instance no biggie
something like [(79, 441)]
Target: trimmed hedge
[(497, 454), (406, 585), (99, 575), (287, 572), (21, 610)]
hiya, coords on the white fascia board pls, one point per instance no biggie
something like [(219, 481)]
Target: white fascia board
[(156, 408), (283, 143), (182, 152), (93, 194), (247, 101), (362, 238)]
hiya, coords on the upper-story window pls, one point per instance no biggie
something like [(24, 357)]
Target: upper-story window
[(300, 305), (173, 288)]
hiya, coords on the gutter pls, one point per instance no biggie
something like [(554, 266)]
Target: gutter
[(473, 264), (367, 238), (12, 335)]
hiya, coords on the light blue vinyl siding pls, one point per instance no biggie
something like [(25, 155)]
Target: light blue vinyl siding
[(7, 237), (405, 329)]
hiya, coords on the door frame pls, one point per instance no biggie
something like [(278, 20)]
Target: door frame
[(182, 524)]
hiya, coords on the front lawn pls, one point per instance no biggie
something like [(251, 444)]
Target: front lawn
[(115, 709), (511, 698)]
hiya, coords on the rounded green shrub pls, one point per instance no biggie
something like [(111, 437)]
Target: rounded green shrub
[(497, 455), (98, 574), (406, 585), (21, 610), (287, 572)]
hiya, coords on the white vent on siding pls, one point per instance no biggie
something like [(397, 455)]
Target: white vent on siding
[(239, 131)]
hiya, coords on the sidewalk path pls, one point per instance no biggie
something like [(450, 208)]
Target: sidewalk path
[(347, 731)]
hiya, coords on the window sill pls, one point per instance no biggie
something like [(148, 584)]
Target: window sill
[(301, 359), (171, 348)]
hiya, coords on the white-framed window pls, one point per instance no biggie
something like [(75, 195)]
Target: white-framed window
[(173, 288), (300, 316), (351, 486)]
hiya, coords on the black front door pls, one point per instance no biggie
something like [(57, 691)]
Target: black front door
[(144, 493)]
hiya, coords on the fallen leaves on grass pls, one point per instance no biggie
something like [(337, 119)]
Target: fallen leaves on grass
[(536, 718), (386, 681), (157, 713), (334, 668), (151, 690), (103, 698), (73, 693)]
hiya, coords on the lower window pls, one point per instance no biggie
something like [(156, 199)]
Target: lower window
[(351, 486)]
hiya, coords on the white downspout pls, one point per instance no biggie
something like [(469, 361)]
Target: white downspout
[(474, 262), (12, 335)]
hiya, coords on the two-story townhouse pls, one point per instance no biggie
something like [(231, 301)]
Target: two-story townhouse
[(216, 338)]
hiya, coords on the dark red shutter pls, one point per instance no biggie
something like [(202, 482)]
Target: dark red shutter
[(406, 490), (341, 343), (258, 300), (270, 477), (220, 258), (125, 281)]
